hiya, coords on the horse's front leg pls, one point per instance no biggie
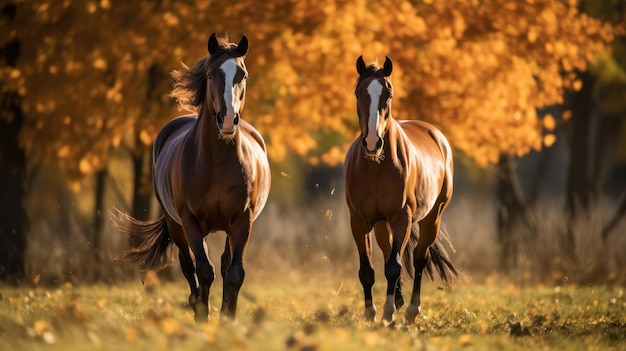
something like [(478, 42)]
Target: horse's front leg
[(226, 259), (363, 241), (204, 268), (400, 227), (236, 243), (384, 238)]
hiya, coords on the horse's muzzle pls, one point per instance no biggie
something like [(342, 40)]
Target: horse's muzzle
[(225, 124), (377, 150)]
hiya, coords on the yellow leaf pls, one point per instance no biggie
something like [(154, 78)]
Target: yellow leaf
[(170, 19), (101, 303), (40, 326), (171, 326), (329, 214), (566, 115), (549, 140), (549, 123), (85, 166), (117, 139), (100, 64), (145, 137), (577, 85), (63, 151), (465, 339), (131, 334)]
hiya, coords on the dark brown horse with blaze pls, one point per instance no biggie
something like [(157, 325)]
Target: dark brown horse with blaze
[(210, 173), (398, 182)]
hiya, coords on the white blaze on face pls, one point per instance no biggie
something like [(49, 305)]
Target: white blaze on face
[(229, 67), (375, 89)]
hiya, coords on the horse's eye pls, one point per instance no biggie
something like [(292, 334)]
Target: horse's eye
[(209, 76)]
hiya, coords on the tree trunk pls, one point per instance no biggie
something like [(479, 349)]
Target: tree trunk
[(13, 219), (142, 185), (579, 185), (614, 221), (98, 224), (515, 224)]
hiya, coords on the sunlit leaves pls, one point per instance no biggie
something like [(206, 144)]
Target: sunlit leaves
[(478, 70)]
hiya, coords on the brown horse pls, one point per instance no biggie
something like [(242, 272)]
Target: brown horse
[(210, 173), (398, 175)]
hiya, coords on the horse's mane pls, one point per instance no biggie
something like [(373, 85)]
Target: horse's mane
[(190, 84)]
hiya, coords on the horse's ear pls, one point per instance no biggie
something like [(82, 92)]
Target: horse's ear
[(213, 44), (242, 47), (360, 65), (387, 67)]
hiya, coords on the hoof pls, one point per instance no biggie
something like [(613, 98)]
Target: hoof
[(389, 310), (201, 313), (411, 313), (389, 324), (200, 310), (370, 314), (199, 318), (388, 319)]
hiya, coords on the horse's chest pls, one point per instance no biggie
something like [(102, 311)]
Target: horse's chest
[(379, 199), (218, 187)]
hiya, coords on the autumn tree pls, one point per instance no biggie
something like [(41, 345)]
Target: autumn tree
[(480, 71), (597, 123), (92, 75)]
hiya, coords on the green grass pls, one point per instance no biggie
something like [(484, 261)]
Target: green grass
[(302, 314)]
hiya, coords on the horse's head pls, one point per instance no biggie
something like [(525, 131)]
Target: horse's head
[(226, 76), (373, 93)]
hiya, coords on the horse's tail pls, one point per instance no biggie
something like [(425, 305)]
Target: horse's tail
[(438, 257), (155, 250)]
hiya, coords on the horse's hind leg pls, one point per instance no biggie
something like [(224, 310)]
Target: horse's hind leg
[(186, 262), (383, 238), (428, 229), (204, 268), (363, 241), (226, 259)]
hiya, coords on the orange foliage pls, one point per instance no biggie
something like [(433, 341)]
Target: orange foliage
[(479, 70)]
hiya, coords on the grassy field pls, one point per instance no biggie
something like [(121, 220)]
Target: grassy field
[(301, 314)]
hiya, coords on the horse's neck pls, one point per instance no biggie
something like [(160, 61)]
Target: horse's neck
[(395, 143)]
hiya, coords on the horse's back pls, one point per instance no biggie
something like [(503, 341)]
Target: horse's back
[(433, 152), (427, 138), (172, 129), (167, 149)]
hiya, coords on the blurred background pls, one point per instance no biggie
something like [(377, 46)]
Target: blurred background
[(531, 94)]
